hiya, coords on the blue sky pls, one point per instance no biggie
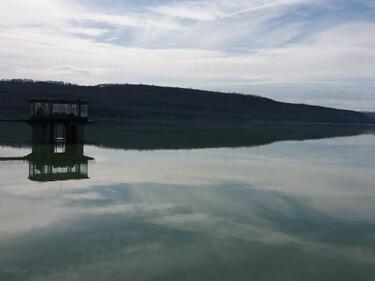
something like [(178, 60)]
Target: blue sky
[(319, 52)]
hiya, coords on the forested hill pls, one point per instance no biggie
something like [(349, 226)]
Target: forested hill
[(371, 115), (153, 103)]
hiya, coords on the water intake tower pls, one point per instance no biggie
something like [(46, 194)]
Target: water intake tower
[(55, 121)]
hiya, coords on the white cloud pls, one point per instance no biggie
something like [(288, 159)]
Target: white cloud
[(215, 9), (130, 20), (87, 31), (350, 34), (210, 44)]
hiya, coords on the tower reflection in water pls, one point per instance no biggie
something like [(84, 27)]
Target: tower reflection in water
[(57, 133), (57, 162), (58, 137)]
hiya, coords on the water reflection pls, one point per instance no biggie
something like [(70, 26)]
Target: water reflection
[(156, 136), (55, 162), (285, 211), (127, 135)]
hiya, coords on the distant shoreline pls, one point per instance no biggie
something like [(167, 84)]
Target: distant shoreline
[(169, 105), (151, 136), (212, 125)]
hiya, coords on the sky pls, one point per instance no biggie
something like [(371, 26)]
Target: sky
[(303, 51)]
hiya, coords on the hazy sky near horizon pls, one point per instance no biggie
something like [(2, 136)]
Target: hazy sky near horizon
[(313, 51)]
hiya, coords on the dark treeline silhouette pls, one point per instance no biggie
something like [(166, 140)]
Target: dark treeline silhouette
[(134, 136), (166, 104), (371, 115)]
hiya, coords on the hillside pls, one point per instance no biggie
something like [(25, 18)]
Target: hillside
[(371, 115), (166, 104)]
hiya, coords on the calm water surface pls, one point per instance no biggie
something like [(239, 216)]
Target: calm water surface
[(290, 210)]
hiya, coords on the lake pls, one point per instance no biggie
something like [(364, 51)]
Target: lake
[(271, 202)]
